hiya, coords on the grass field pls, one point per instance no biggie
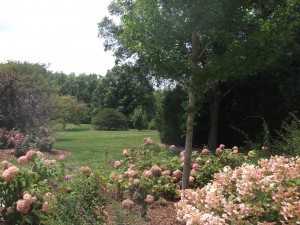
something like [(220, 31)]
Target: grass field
[(87, 146)]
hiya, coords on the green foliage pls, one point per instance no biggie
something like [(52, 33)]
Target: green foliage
[(26, 95), (288, 137), (124, 88), (110, 119), (69, 110), (44, 139), (139, 118), (39, 192)]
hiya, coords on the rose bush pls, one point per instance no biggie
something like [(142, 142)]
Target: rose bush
[(264, 194)]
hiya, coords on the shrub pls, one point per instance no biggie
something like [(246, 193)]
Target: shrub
[(44, 139), (263, 194), (41, 193), (139, 118), (288, 140), (110, 119)]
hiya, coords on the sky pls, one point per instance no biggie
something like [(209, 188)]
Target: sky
[(61, 33)]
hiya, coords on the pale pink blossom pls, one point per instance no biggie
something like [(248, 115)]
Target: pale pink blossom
[(148, 140), (86, 170), (195, 166), (148, 174), (235, 148), (30, 155), (132, 174), (166, 173), (127, 204), (205, 151), (126, 153), (10, 173), (149, 199), (62, 157), (136, 181), (46, 207), (222, 146), (182, 153), (177, 173), (23, 206), (132, 167), (191, 180), (6, 164), (17, 136), (29, 198), (156, 170), (198, 160), (172, 147), (22, 160), (117, 164), (218, 151)]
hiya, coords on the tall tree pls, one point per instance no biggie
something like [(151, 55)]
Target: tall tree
[(179, 40)]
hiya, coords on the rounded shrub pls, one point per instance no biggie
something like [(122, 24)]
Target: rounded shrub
[(110, 119)]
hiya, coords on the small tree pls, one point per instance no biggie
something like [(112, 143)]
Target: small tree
[(110, 119), (139, 118), (69, 110)]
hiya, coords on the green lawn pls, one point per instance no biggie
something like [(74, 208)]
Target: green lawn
[(88, 146)]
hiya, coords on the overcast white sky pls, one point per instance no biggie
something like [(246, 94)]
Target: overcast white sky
[(63, 33)]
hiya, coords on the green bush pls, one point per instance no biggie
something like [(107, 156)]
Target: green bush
[(44, 139), (288, 140), (110, 119)]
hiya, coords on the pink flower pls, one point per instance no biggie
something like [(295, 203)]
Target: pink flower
[(136, 181), (50, 161), (117, 164), (195, 166), (148, 174), (166, 173), (17, 136), (6, 164), (67, 178), (127, 204), (218, 151), (193, 171), (205, 151), (22, 160), (172, 147), (23, 206), (156, 170), (148, 140), (46, 207), (132, 174), (86, 170), (29, 198), (182, 153), (191, 180), (105, 214), (177, 173), (198, 160), (149, 199), (222, 146), (10, 173), (132, 167), (126, 153), (30, 155), (62, 157), (235, 148)]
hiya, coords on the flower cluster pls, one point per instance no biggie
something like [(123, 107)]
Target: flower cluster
[(264, 194), (23, 205)]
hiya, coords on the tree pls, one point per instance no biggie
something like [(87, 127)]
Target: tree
[(110, 119), (26, 95), (185, 40), (139, 118), (124, 88), (69, 110)]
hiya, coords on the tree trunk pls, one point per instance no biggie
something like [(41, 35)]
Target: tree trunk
[(214, 108), (191, 115)]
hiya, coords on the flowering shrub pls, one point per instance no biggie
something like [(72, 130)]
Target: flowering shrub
[(22, 143), (39, 192), (264, 194)]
